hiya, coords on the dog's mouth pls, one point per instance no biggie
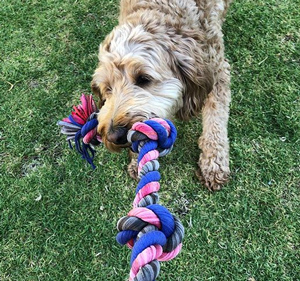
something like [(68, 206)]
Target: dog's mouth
[(115, 136), (116, 147)]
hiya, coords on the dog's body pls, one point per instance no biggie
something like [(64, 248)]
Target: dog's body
[(166, 59)]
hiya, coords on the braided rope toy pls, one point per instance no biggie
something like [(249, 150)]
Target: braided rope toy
[(149, 229)]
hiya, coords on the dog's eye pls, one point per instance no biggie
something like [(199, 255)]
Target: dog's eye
[(102, 102), (107, 90), (142, 80)]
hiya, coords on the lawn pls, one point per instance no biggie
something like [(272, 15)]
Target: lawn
[(58, 217)]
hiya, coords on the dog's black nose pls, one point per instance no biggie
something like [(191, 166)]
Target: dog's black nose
[(118, 135)]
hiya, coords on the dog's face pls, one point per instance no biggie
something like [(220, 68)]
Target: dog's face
[(135, 81)]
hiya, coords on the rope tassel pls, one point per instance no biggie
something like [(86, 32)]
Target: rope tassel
[(81, 127), (149, 229)]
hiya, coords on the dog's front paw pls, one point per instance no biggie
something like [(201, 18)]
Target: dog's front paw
[(133, 168), (213, 172)]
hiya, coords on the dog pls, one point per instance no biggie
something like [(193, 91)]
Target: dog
[(166, 59)]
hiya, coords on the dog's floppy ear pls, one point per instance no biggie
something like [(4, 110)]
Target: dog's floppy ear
[(96, 89), (192, 68), (95, 84)]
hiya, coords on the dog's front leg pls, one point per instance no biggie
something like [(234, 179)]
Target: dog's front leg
[(214, 159)]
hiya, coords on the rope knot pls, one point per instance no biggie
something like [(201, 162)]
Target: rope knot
[(154, 234), (151, 138), (156, 129)]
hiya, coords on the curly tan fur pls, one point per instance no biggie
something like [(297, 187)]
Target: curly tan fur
[(166, 59)]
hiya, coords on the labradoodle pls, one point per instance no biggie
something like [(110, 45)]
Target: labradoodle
[(164, 59)]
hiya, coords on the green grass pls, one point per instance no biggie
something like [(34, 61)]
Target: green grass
[(58, 218)]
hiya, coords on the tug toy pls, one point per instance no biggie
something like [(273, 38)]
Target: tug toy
[(149, 229)]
